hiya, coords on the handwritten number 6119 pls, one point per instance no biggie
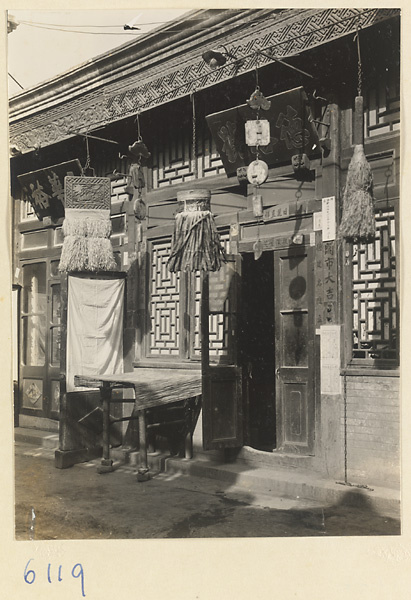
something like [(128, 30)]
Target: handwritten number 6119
[(77, 572)]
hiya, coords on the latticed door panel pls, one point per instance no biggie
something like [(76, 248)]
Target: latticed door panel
[(374, 293), (174, 301), (164, 303), (219, 322)]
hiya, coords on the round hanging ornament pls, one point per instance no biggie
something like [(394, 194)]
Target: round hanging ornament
[(257, 172)]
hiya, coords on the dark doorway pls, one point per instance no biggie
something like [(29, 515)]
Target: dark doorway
[(258, 350)]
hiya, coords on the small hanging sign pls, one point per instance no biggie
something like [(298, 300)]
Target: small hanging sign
[(88, 192), (44, 189), (257, 133), (87, 226), (291, 131), (257, 172)]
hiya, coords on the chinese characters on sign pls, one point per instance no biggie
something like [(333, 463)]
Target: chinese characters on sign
[(329, 280), (325, 282), (44, 189), (328, 218), (319, 284)]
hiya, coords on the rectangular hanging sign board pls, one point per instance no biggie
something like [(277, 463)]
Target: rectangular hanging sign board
[(93, 193), (291, 131), (44, 189)]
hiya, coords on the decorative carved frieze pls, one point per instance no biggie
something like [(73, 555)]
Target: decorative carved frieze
[(179, 76)]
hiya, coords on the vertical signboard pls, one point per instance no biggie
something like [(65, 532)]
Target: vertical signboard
[(330, 359)]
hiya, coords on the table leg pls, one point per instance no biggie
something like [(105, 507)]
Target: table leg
[(142, 473), (188, 440), (106, 462)]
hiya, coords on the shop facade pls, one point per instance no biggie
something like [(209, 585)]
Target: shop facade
[(298, 341)]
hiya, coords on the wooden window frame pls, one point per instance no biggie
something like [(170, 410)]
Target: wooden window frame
[(371, 363)]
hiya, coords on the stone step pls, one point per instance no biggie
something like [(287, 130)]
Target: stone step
[(36, 437), (289, 484)]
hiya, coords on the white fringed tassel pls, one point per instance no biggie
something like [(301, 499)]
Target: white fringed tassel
[(86, 245)]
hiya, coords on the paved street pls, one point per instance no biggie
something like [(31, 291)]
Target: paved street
[(78, 503)]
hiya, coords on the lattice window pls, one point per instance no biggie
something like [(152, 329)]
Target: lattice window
[(165, 303), (382, 113), (173, 161), (218, 323), (374, 293)]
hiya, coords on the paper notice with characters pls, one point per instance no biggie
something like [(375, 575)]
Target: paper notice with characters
[(330, 359)]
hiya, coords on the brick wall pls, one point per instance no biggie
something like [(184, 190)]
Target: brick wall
[(373, 430)]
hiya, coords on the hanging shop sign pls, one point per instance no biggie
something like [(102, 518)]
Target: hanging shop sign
[(44, 189), (291, 132), (282, 211), (87, 225), (257, 172), (257, 132)]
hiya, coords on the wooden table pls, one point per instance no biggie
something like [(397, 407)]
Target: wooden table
[(152, 388)]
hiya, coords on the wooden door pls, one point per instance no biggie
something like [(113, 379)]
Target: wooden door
[(222, 380), (39, 385), (294, 349), (34, 347)]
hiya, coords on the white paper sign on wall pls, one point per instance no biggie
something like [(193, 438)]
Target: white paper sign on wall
[(330, 359), (328, 218), (317, 221)]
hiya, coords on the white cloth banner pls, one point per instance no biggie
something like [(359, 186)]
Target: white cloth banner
[(94, 327)]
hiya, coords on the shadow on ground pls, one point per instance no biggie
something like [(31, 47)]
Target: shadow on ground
[(78, 503)]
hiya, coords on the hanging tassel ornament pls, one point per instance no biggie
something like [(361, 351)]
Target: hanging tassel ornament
[(358, 221), (87, 225), (196, 243)]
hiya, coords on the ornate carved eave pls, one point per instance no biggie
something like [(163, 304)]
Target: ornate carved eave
[(165, 76)]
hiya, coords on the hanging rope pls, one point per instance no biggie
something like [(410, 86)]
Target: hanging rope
[(359, 75), (358, 220), (194, 130), (256, 72), (137, 121), (87, 163)]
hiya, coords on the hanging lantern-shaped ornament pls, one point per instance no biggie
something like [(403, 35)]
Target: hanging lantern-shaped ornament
[(87, 224), (196, 243), (137, 152)]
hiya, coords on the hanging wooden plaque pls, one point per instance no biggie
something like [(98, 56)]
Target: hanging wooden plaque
[(92, 193), (257, 133), (44, 189), (291, 132)]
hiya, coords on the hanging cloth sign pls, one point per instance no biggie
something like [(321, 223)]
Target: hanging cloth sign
[(87, 226), (291, 132), (44, 189), (94, 327), (196, 242)]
